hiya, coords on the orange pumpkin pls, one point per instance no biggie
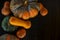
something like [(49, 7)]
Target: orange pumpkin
[(21, 33)]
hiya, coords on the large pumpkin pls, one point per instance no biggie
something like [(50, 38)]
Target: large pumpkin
[(24, 8)]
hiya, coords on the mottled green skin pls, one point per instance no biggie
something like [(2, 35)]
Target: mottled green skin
[(17, 6), (7, 27), (5, 36)]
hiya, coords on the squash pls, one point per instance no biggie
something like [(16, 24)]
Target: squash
[(20, 8), (6, 9), (21, 33), (8, 37), (19, 23), (43, 10), (7, 26)]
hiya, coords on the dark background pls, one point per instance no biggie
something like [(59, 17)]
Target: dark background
[(43, 28)]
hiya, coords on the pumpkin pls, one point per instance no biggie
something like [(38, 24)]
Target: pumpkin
[(24, 8), (8, 37), (21, 33), (7, 26)]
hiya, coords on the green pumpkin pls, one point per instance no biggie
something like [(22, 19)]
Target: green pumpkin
[(6, 26), (8, 37)]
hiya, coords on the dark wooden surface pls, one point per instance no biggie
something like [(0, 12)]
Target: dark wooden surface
[(43, 28)]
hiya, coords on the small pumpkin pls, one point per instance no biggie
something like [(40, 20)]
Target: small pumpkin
[(21, 33)]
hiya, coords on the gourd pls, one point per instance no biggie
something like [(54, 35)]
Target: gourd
[(8, 37), (7, 26), (19, 22), (21, 33), (43, 10), (6, 9)]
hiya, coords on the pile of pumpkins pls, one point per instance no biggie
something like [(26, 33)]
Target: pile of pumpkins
[(22, 11)]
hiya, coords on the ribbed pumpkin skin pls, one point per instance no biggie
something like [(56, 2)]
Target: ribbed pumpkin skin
[(7, 27), (20, 6), (8, 37)]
